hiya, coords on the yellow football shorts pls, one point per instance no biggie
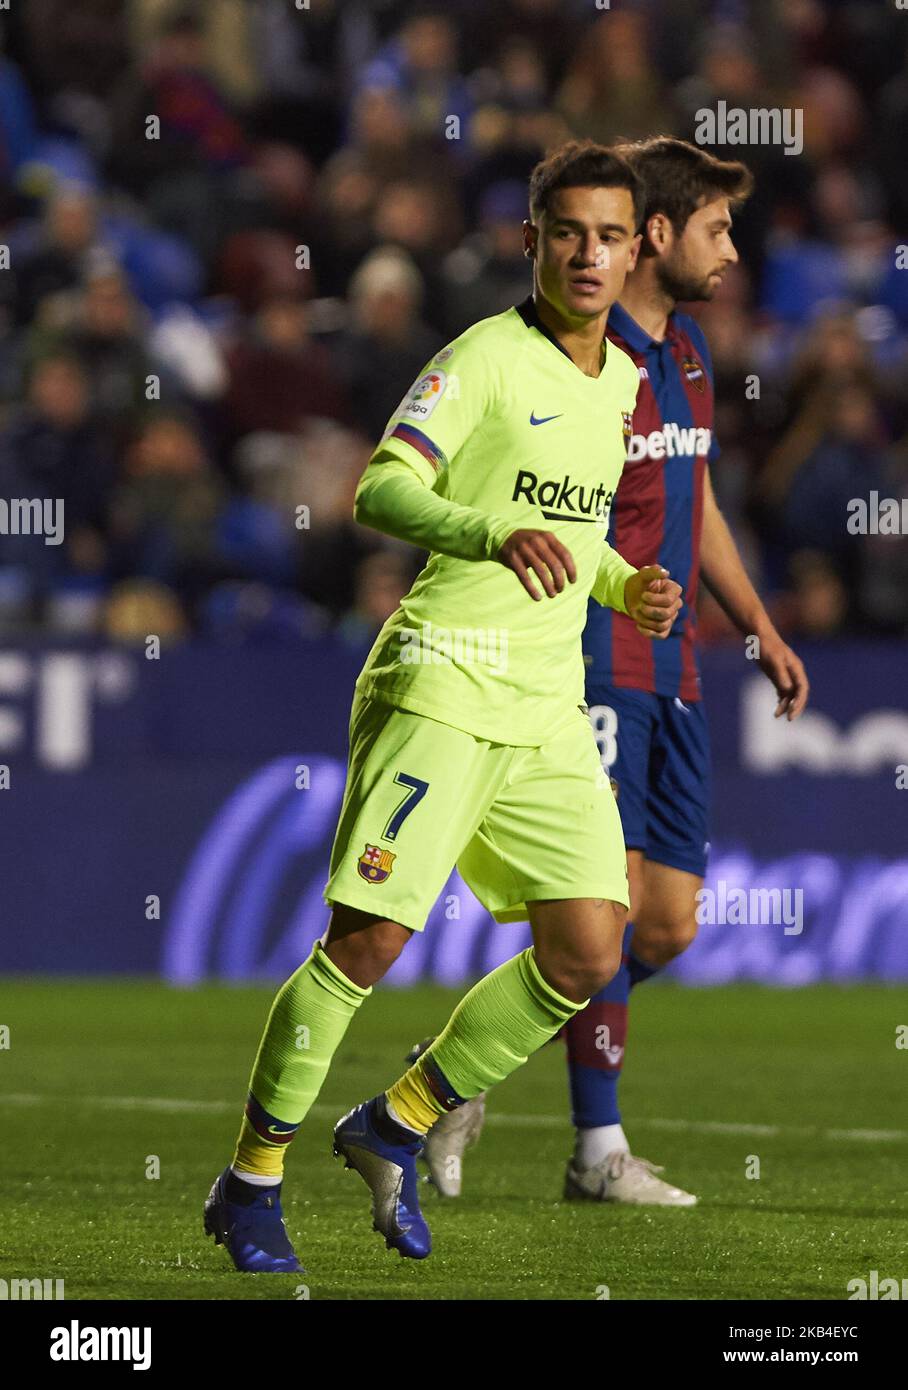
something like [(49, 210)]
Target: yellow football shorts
[(520, 823)]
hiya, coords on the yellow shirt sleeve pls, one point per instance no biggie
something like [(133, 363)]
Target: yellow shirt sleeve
[(611, 577), (395, 496)]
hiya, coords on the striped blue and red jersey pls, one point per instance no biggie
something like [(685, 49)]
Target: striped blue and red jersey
[(657, 512)]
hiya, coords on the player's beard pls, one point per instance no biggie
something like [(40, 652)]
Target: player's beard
[(681, 286)]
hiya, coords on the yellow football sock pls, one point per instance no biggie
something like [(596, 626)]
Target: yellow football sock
[(308, 1019), (496, 1026), (412, 1102)]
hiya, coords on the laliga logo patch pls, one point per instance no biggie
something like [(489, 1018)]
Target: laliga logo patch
[(694, 372), (425, 395), (627, 426), (375, 864)]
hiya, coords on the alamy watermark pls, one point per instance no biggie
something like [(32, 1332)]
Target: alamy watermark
[(26, 1290), (876, 516), (82, 1343), (754, 907), (32, 516), (874, 1288), (757, 125), (429, 645)]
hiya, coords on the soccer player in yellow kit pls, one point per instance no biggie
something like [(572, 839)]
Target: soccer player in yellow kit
[(469, 741)]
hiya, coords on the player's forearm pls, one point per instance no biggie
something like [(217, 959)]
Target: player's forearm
[(611, 577), (391, 498), (725, 576)]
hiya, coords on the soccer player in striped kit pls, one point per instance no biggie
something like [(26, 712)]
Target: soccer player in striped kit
[(644, 697)]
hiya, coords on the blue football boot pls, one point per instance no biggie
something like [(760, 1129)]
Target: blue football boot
[(254, 1234), (389, 1172)]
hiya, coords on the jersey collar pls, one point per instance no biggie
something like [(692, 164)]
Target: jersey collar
[(528, 312), (637, 338)]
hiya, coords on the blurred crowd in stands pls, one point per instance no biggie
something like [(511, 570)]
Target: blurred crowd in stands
[(238, 230)]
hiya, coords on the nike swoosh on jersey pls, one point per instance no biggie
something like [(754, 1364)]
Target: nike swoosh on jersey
[(545, 419)]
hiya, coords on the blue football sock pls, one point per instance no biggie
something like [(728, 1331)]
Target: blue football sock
[(595, 1043), (638, 970), (596, 1040)]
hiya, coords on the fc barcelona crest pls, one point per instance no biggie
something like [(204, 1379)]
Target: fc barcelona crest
[(694, 373), (375, 864), (627, 426)]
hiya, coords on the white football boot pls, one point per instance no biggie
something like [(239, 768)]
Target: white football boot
[(446, 1141), (450, 1136), (620, 1177)]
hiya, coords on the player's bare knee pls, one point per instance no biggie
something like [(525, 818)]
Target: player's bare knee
[(601, 973), (659, 943), (587, 978), (682, 933), (383, 948), (579, 977), (367, 953), (603, 964)]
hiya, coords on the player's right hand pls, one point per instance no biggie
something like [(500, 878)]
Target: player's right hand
[(541, 554), (653, 600)]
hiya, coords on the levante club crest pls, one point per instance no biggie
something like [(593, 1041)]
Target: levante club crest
[(375, 864), (694, 373)]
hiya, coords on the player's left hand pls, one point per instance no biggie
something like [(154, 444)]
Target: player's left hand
[(786, 671), (653, 600)]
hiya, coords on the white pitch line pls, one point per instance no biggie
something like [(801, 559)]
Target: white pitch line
[(503, 1120)]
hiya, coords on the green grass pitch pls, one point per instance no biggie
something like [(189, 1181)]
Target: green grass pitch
[(97, 1077)]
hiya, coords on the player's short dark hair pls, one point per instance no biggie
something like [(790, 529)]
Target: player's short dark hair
[(583, 164), (678, 178)]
